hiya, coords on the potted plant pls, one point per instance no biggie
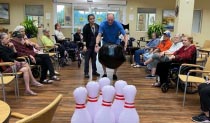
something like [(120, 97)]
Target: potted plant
[(157, 28), (30, 29)]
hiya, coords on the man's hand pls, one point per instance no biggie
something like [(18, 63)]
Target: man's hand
[(97, 48), (161, 54), (125, 47), (84, 48)]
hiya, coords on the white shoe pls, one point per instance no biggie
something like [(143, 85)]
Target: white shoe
[(134, 64)]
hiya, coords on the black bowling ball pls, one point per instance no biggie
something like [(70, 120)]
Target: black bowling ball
[(111, 55)]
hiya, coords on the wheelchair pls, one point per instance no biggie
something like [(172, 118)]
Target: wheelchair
[(174, 71), (173, 77), (73, 49)]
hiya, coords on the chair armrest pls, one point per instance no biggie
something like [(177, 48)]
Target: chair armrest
[(23, 58), (18, 115), (199, 71), (57, 44), (6, 63), (192, 65)]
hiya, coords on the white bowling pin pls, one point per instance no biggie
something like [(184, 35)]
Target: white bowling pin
[(81, 115), (129, 113), (102, 82), (104, 114), (119, 101), (92, 104)]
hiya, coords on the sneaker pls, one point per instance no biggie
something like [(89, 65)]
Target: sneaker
[(137, 66), (142, 64), (86, 75), (150, 76), (95, 74), (133, 64), (105, 75), (114, 77), (201, 119)]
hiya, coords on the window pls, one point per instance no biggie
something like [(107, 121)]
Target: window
[(196, 26), (145, 17), (36, 13), (64, 14)]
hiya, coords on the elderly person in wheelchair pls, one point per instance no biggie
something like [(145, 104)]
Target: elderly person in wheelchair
[(186, 54)]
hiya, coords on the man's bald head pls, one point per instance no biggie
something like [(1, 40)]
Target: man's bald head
[(110, 18)]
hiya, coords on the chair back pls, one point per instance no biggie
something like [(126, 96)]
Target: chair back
[(206, 44), (56, 39), (207, 66), (45, 115), (194, 58)]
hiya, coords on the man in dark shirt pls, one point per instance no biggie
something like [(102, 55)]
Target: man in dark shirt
[(90, 31)]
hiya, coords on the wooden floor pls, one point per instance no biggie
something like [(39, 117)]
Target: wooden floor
[(152, 105)]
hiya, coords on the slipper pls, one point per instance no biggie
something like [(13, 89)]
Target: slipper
[(47, 81), (156, 84)]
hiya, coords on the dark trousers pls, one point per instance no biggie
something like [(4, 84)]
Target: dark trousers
[(60, 49), (46, 64), (204, 92), (162, 71), (90, 54)]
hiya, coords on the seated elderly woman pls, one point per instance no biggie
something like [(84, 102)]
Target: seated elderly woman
[(185, 54), (8, 53), (25, 47), (163, 56)]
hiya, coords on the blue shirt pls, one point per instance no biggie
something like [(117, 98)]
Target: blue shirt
[(153, 42), (111, 32)]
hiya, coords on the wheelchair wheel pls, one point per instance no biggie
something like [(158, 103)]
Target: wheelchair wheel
[(35, 73), (164, 87), (192, 88)]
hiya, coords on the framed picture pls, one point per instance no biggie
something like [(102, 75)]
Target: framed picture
[(4, 13), (168, 19)]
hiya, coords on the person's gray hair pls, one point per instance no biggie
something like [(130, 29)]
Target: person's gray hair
[(110, 14), (2, 35), (178, 35), (18, 28)]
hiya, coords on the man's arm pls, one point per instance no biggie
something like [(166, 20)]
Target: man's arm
[(126, 40), (98, 39)]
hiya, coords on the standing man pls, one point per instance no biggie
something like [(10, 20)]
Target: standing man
[(110, 30), (90, 31)]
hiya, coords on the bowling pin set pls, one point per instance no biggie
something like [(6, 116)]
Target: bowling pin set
[(94, 104)]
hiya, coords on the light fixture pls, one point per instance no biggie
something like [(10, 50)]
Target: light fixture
[(89, 1)]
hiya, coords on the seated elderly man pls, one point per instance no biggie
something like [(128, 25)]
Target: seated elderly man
[(164, 45), (50, 45), (25, 47), (163, 56)]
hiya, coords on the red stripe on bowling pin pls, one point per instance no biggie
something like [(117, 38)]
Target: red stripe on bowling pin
[(129, 105), (92, 99), (119, 97), (108, 104), (80, 106)]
